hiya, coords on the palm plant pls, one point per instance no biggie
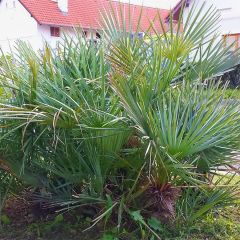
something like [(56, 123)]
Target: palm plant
[(61, 117), (125, 123), (188, 131)]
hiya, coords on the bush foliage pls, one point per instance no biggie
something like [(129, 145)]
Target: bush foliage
[(129, 129)]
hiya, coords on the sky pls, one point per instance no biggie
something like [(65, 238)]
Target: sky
[(155, 3)]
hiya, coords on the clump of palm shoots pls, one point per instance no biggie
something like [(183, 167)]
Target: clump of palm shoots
[(125, 126)]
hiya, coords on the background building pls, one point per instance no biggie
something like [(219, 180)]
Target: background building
[(36, 21), (229, 25)]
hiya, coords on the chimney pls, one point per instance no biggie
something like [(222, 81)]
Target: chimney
[(63, 5)]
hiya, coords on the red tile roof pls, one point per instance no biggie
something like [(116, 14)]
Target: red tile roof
[(86, 13), (175, 13)]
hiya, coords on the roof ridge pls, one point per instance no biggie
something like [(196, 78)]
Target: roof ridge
[(135, 5), (46, 12)]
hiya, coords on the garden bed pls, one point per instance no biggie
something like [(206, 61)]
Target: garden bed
[(21, 220), (122, 138)]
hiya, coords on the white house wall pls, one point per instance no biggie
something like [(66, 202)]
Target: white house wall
[(229, 10), (45, 36), (16, 23)]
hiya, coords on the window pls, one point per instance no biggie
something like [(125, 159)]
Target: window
[(98, 36), (55, 31), (139, 35), (225, 9), (232, 39), (85, 34), (226, 12), (10, 4), (187, 3)]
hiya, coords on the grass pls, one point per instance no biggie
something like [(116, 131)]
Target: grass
[(218, 225), (221, 225)]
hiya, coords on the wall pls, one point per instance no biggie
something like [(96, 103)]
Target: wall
[(16, 23), (230, 14), (45, 35)]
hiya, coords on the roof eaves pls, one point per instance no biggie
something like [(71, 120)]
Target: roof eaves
[(175, 10), (32, 15), (69, 25)]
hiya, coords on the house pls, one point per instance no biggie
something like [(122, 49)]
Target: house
[(36, 21), (229, 28)]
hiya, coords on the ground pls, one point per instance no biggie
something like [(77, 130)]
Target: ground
[(22, 221)]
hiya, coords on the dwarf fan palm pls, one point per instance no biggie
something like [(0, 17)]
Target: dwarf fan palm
[(188, 129), (61, 125), (127, 121)]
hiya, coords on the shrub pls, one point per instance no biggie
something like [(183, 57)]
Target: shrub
[(126, 127)]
